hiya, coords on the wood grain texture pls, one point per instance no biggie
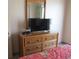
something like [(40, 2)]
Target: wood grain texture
[(35, 1), (36, 43)]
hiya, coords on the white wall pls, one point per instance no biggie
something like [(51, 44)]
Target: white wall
[(67, 23), (15, 20), (55, 11)]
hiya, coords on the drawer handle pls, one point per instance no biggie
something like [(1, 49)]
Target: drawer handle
[(28, 42), (38, 41), (37, 47), (28, 49), (45, 38)]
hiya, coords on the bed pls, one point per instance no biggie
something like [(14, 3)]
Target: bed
[(60, 52)]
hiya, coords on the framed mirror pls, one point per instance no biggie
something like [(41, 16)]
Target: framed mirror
[(34, 9)]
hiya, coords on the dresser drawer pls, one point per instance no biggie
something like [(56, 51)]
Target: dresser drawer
[(37, 46), (35, 39), (31, 52), (32, 39), (50, 43), (55, 36), (27, 40), (46, 38), (33, 46)]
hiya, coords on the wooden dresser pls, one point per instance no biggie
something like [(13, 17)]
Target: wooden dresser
[(33, 43)]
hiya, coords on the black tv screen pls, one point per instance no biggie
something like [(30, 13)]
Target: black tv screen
[(37, 24)]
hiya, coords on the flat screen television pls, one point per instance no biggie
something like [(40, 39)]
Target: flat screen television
[(37, 24)]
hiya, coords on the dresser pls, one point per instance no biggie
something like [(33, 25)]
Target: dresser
[(33, 43)]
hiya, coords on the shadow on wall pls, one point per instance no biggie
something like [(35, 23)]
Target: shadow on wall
[(10, 52), (15, 44), (15, 38)]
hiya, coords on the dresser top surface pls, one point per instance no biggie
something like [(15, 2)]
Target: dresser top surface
[(41, 33)]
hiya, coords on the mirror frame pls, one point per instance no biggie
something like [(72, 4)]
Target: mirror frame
[(33, 1)]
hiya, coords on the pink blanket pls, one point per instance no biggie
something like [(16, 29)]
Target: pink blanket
[(59, 53), (52, 53), (33, 56)]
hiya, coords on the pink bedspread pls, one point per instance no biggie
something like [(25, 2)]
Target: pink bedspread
[(33, 56), (59, 53), (52, 53)]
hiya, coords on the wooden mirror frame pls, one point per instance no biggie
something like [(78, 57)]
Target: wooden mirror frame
[(39, 1)]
